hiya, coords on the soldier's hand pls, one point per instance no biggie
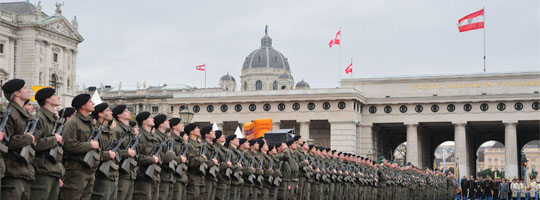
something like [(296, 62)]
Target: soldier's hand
[(229, 163), (131, 152), (306, 161), (2, 134), (204, 156), (240, 165), (112, 154), (183, 158), (135, 132), (289, 187), (33, 138), (58, 138), (61, 183), (318, 170), (95, 144), (215, 161), (156, 159)]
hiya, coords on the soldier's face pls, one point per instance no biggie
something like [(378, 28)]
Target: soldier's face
[(23, 93), (107, 114), (166, 124), (211, 135), (196, 132), (88, 106), (54, 100), (149, 121), (264, 148), (29, 108), (221, 139), (126, 115), (185, 137), (235, 142), (179, 127)]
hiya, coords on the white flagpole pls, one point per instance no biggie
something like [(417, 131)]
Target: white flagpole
[(484, 38), (352, 70), (205, 75), (340, 43)]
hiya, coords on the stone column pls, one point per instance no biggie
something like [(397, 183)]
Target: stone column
[(365, 145), (461, 149), (511, 150), (413, 155), (343, 136), (304, 130), (276, 124)]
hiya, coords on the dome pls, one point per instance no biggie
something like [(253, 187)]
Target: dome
[(227, 77), (266, 56), (302, 84), (285, 75)]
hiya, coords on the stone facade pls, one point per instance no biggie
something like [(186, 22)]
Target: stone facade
[(39, 48)]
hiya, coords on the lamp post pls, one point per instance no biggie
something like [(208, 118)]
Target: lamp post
[(523, 165), (185, 115)]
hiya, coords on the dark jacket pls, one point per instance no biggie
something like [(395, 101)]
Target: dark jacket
[(16, 167), (45, 141)]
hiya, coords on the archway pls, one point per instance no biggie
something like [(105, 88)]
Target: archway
[(490, 159), (444, 157), (530, 160)]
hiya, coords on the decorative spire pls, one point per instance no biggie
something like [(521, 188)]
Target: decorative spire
[(266, 30), (266, 41)]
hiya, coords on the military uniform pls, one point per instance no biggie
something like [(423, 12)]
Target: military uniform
[(236, 181), (247, 170), (146, 188), (167, 178), (106, 187), (195, 177), (179, 188), (209, 189), (224, 181), (126, 179), (48, 171)]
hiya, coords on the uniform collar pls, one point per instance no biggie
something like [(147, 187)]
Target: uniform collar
[(50, 116), (146, 134), (20, 109), (84, 119)]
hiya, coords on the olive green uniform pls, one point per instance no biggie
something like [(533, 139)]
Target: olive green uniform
[(146, 188), (48, 172), (167, 178), (79, 177), (224, 181), (179, 188), (126, 179), (209, 190), (195, 177), (106, 187), (236, 179)]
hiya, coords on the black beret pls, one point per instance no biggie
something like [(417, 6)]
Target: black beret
[(333, 151), (339, 153), (99, 108), (261, 142), (205, 130), (296, 137), (310, 146), (159, 119), (252, 142), (44, 93), (174, 121), (26, 102), (218, 133), (13, 85), (141, 117), (260, 139), (80, 100), (270, 148), (277, 145), (118, 110), (230, 138), (327, 149), (243, 140), (132, 123), (188, 128), (68, 111), (290, 142), (182, 133)]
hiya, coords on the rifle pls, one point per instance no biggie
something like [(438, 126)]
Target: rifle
[(270, 177), (251, 178), (92, 156), (214, 169), (277, 180), (238, 174), (129, 162), (306, 168), (260, 177), (318, 175), (228, 158), (27, 152), (107, 165), (173, 163), (5, 117), (203, 166), (182, 166), (57, 152), (154, 169)]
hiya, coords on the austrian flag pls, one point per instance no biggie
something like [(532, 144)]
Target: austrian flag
[(472, 21), (201, 67), (336, 40)]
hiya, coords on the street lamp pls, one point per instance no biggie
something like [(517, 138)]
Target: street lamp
[(185, 115), (524, 165)]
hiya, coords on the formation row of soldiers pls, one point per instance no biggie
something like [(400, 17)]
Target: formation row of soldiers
[(95, 152)]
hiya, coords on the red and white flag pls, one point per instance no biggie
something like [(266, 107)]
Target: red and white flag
[(348, 69), (336, 40), (201, 67), (472, 21)]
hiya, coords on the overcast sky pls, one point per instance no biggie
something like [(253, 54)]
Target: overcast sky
[(162, 41)]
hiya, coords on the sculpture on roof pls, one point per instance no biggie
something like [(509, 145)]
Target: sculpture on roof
[(75, 23), (58, 11), (38, 8)]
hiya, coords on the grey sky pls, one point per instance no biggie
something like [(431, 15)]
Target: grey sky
[(162, 41)]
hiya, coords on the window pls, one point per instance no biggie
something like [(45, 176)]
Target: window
[(1, 48), (131, 109), (172, 108), (258, 85), (274, 85), (283, 87), (55, 57), (53, 81), (155, 109)]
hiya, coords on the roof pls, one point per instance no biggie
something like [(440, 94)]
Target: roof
[(266, 56), (302, 83), (285, 75), (19, 8), (227, 77)]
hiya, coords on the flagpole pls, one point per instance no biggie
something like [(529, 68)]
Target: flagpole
[(340, 43), (352, 71), (205, 75), (484, 38)]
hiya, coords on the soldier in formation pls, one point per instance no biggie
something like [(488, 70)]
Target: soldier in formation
[(92, 151)]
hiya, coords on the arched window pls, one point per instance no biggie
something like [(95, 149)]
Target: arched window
[(53, 81), (245, 86), (258, 85), (274, 86)]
